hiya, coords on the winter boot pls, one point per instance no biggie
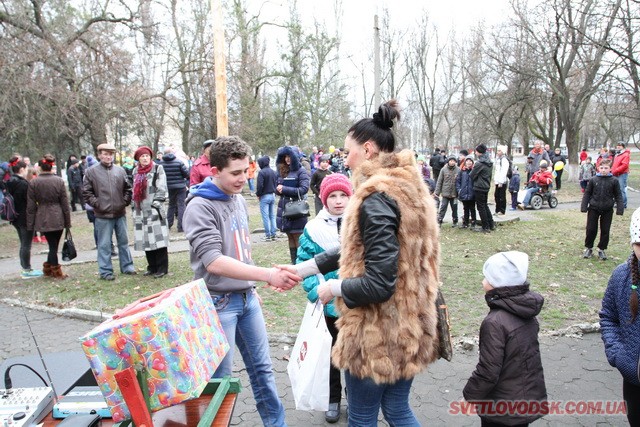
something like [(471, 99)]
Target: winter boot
[(56, 272), (294, 254), (46, 269)]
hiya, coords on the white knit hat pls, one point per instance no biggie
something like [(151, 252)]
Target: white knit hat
[(506, 269), (634, 227)]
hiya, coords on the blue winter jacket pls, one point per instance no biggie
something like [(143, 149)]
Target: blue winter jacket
[(176, 172), (621, 337), (464, 186), (326, 224), (514, 183)]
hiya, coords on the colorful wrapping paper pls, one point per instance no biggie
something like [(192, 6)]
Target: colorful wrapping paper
[(175, 335)]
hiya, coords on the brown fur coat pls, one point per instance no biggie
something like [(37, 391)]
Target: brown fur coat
[(398, 338)]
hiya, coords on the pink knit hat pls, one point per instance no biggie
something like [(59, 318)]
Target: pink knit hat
[(334, 182)]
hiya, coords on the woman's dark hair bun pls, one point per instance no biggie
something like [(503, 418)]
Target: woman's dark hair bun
[(386, 114)]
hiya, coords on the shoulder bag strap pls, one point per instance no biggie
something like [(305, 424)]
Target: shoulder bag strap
[(155, 176)]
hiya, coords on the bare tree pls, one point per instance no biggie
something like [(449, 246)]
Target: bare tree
[(569, 38), (79, 71), (434, 79)]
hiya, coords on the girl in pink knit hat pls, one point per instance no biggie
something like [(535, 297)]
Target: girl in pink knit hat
[(320, 234)]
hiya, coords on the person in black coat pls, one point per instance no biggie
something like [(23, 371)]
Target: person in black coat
[(293, 184), (17, 187), (509, 366), (265, 191), (74, 178), (177, 180), (481, 177), (556, 157), (437, 162), (603, 191)]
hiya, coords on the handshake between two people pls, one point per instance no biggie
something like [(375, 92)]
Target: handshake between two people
[(283, 278)]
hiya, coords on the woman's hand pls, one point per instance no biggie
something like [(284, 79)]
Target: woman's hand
[(279, 189), (324, 292)]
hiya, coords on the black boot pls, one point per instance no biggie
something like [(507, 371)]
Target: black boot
[(294, 254)]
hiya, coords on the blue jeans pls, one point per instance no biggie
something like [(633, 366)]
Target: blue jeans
[(529, 195), (241, 318), (268, 212), (26, 238), (365, 397), (252, 186), (622, 179), (104, 227)]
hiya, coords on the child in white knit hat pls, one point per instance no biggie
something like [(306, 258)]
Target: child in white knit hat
[(509, 366)]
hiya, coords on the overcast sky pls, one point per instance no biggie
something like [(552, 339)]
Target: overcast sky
[(357, 25)]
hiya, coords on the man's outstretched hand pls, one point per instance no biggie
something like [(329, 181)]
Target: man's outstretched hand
[(283, 279)]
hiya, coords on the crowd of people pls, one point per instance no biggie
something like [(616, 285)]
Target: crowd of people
[(359, 256)]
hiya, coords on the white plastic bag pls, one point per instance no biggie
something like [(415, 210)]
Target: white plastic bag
[(308, 366)]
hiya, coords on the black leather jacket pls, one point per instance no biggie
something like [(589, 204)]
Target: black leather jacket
[(379, 222)]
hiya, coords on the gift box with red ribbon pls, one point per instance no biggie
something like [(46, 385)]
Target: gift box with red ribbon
[(173, 337)]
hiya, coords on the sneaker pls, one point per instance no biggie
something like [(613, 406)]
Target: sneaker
[(588, 253), (273, 238), (108, 277), (512, 209), (130, 273), (602, 255), (265, 239), (43, 239), (30, 274), (454, 225), (520, 206)]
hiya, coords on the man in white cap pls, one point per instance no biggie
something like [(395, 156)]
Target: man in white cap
[(509, 366), (106, 189)]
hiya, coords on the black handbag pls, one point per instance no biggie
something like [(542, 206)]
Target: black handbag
[(68, 248), (296, 209)]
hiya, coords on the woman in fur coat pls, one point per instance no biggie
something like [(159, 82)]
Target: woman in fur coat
[(388, 276)]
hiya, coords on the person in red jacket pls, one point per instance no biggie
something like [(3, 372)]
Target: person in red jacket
[(540, 178), (201, 167), (620, 168)]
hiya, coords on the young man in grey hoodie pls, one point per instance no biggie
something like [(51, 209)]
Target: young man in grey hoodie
[(216, 224)]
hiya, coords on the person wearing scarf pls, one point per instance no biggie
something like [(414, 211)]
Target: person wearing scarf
[(151, 233)]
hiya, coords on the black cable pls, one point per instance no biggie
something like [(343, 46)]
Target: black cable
[(7, 378)]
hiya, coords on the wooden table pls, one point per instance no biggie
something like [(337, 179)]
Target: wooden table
[(185, 414)]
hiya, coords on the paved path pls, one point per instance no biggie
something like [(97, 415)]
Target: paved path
[(575, 370)]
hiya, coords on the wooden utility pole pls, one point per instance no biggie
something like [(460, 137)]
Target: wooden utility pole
[(376, 64), (222, 116)]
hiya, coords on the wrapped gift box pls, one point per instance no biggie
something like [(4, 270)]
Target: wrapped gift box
[(175, 336)]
